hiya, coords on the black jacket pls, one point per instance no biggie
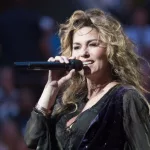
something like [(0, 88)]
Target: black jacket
[(122, 124)]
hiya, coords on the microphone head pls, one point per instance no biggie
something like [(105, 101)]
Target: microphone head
[(76, 64)]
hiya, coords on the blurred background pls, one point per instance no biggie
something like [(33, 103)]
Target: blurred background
[(28, 32)]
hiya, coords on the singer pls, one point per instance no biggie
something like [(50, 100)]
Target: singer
[(101, 107)]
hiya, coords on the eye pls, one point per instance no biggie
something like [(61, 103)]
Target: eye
[(94, 44), (76, 47)]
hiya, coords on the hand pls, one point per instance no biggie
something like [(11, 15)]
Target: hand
[(59, 77), (56, 79)]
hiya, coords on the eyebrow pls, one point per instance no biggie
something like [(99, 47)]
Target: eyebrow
[(87, 41)]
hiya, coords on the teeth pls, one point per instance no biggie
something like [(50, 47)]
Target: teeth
[(87, 62)]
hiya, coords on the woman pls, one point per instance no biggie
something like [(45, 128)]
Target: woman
[(101, 107)]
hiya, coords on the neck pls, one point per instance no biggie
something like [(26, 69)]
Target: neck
[(95, 88)]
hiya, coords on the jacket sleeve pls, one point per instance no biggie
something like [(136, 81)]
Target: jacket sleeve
[(37, 134), (136, 121), (40, 131)]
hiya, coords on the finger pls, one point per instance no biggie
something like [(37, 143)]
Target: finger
[(66, 78), (70, 74), (60, 59), (51, 59), (72, 57), (65, 59)]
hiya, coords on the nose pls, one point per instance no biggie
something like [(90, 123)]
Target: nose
[(84, 53)]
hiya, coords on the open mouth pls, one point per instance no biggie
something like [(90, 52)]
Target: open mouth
[(87, 63)]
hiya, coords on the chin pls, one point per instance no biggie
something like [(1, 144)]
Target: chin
[(86, 71)]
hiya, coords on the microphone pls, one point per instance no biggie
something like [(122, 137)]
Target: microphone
[(42, 65)]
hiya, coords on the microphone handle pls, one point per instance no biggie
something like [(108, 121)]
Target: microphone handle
[(41, 65)]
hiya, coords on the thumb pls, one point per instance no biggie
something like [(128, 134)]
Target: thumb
[(66, 78)]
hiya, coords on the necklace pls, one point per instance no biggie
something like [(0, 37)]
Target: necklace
[(100, 86)]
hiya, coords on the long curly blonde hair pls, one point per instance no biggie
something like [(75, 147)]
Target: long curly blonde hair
[(121, 54)]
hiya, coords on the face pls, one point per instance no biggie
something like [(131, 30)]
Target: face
[(88, 48)]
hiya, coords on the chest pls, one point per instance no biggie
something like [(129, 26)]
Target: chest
[(89, 104), (99, 123)]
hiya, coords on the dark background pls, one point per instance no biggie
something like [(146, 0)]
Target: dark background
[(28, 32)]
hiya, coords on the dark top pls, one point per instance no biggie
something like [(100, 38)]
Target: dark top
[(70, 138), (113, 123)]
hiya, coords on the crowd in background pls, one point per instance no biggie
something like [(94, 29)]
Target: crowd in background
[(27, 35)]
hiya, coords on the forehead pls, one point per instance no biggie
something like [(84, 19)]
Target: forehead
[(85, 33)]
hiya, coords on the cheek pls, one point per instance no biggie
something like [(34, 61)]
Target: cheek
[(100, 53), (75, 54)]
